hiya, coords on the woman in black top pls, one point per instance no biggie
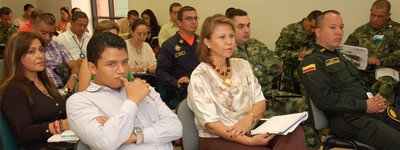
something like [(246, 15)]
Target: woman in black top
[(153, 28), (29, 100)]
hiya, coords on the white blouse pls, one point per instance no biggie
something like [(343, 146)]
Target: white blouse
[(147, 57), (212, 101)]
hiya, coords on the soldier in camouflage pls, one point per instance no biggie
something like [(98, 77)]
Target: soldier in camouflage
[(6, 27), (295, 39), (381, 36), (267, 65)]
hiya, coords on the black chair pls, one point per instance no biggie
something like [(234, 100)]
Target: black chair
[(320, 122)]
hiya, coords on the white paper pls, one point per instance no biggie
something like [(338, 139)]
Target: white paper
[(67, 136), (282, 124), (381, 72), (358, 55)]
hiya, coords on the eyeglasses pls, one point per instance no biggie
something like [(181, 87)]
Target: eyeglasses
[(175, 12), (191, 18)]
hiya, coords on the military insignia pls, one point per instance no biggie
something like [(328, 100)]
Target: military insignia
[(345, 56), (308, 68), (179, 54), (177, 47), (332, 61), (322, 50), (388, 33), (181, 41), (394, 114)]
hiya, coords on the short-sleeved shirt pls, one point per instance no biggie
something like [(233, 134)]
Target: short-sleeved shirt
[(72, 44), (211, 100), (56, 54), (167, 30), (146, 58)]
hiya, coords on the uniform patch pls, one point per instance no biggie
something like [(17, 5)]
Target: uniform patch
[(177, 48), (345, 56), (332, 61), (394, 114), (308, 68), (180, 53)]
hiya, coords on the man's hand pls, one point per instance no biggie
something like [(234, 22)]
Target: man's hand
[(182, 80), (376, 104), (137, 90), (70, 84), (375, 61)]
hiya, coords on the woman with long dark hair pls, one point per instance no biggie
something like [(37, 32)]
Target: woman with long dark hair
[(29, 100), (153, 29)]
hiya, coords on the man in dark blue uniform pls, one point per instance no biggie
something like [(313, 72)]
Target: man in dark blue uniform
[(178, 56), (333, 83)]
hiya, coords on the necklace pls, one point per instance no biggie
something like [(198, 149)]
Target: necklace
[(225, 74), (44, 91)]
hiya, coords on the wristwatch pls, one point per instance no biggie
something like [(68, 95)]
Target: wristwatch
[(139, 135), (75, 76)]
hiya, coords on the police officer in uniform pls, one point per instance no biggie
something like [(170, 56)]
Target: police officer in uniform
[(333, 83)]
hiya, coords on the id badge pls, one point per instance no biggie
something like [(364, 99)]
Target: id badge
[(378, 37), (82, 55)]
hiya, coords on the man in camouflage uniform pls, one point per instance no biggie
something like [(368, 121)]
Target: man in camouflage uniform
[(266, 65), (295, 39), (381, 36), (6, 27)]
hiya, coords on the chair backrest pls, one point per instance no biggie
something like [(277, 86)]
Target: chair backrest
[(7, 138), (320, 121), (190, 137), (81, 146)]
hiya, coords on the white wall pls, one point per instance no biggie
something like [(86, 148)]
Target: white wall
[(269, 17), (53, 6), (86, 7), (17, 6)]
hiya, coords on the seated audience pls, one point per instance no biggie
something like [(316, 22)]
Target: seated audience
[(73, 10), (115, 114), (56, 53), (170, 28), (141, 56), (226, 98), (28, 8), (75, 39), (65, 18), (85, 76), (125, 24), (28, 26), (333, 82), (29, 100), (153, 29), (6, 27)]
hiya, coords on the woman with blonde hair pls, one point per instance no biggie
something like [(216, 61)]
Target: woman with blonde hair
[(106, 26), (29, 100), (226, 98)]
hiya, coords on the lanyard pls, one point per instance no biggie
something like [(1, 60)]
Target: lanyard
[(82, 55)]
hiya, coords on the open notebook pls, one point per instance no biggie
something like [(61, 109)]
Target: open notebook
[(280, 125), (66, 136)]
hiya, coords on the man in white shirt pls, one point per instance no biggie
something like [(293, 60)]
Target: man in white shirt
[(115, 114), (28, 8), (75, 39), (170, 28), (124, 24)]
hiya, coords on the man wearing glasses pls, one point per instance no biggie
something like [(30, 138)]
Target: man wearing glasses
[(170, 28), (178, 56), (295, 39)]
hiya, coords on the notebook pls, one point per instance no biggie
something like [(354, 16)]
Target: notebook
[(281, 125), (66, 136)]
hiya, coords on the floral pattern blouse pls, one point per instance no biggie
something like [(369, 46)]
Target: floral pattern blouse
[(212, 101)]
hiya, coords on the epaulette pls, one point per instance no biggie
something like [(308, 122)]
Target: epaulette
[(322, 50)]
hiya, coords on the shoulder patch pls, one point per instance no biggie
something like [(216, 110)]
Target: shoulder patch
[(332, 61), (322, 50), (308, 68)]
